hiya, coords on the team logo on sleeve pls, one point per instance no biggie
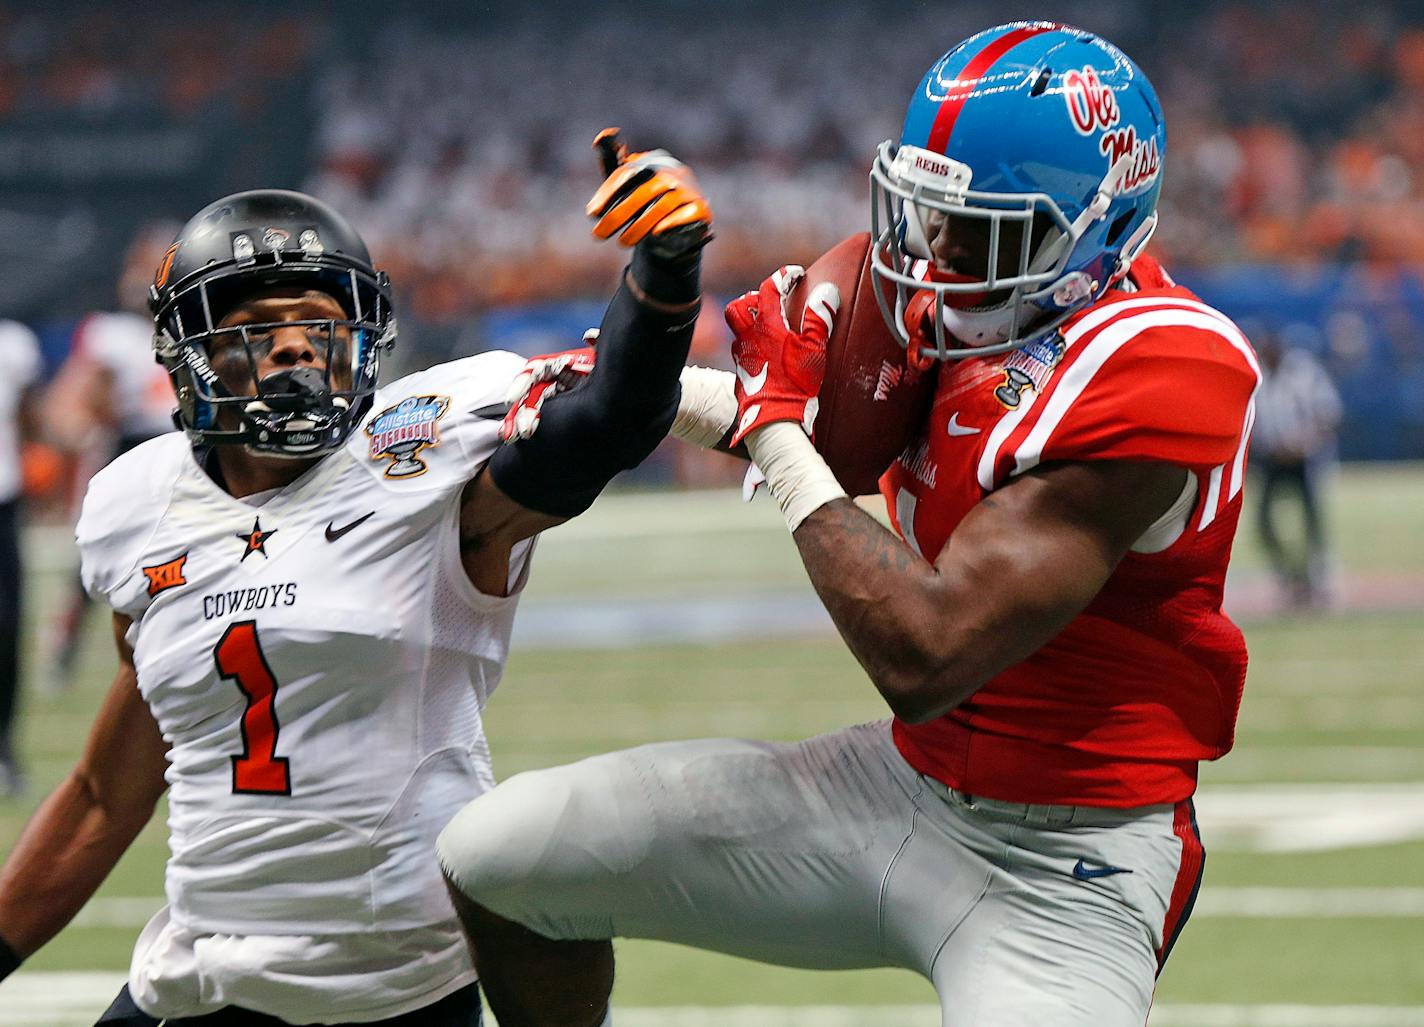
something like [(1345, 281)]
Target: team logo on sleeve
[(401, 432), (161, 577)]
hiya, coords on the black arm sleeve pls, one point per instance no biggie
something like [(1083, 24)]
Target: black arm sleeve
[(615, 417)]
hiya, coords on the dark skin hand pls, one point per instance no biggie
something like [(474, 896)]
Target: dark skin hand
[(1022, 564)]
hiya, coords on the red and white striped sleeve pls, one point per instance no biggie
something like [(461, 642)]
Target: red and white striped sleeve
[(1162, 379)]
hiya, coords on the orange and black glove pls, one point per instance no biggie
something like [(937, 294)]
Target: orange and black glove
[(649, 198)]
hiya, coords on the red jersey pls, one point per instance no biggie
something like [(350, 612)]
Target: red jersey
[(1120, 706)]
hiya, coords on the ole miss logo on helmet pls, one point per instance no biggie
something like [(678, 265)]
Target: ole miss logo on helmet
[(1093, 107), (1146, 160), (1091, 103)]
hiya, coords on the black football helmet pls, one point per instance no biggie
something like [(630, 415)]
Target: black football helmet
[(231, 250)]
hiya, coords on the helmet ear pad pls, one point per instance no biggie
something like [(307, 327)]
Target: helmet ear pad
[(913, 238)]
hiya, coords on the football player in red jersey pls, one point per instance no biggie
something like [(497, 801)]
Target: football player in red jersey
[(1045, 624)]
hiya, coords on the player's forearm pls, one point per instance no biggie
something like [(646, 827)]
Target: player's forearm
[(64, 853), (891, 608), (616, 417), (926, 639), (646, 334)]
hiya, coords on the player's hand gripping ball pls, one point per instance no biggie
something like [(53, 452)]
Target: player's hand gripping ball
[(542, 377), (872, 403), (780, 369), (649, 197)]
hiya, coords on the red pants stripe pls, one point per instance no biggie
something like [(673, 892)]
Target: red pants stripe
[(1189, 878)]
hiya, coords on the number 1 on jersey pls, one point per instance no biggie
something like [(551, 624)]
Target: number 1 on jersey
[(239, 657)]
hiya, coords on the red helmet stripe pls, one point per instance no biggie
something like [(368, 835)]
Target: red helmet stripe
[(968, 81)]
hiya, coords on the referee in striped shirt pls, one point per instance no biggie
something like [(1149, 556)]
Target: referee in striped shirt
[(1292, 446)]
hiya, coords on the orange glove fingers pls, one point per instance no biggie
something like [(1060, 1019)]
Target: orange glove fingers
[(651, 219), (630, 207), (612, 151), (694, 208), (611, 187)]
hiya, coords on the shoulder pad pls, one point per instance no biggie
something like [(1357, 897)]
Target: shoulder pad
[(437, 427), (123, 506)]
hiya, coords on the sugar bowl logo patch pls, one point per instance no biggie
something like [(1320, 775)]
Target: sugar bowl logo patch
[(399, 433), (1028, 368), (163, 576)]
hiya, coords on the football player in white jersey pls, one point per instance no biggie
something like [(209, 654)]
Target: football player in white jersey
[(312, 590)]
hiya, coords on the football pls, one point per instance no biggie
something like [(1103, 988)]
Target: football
[(872, 401)]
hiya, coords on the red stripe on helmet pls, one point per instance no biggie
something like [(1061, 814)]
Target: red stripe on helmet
[(968, 81)]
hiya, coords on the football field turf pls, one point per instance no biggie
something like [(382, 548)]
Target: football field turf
[(1312, 910)]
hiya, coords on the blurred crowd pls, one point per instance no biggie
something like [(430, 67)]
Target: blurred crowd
[(1296, 133), (107, 60), (457, 135)]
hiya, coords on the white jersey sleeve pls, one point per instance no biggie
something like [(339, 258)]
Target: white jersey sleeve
[(439, 425), (123, 506)]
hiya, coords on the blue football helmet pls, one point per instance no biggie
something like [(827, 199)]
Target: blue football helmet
[(1024, 185)]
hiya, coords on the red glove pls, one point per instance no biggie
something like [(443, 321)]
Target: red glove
[(779, 371), (543, 376)]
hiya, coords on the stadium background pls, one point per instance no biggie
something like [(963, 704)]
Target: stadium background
[(456, 137)]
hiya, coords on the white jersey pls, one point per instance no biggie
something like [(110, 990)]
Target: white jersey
[(19, 370), (317, 660), (122, 344)]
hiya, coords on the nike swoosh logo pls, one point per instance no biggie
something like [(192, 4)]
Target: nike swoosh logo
[(1083, 872), (955, 428), (332, 534), (751, 384), (492, 412)]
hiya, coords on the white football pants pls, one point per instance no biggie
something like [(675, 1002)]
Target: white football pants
[(834, 853)]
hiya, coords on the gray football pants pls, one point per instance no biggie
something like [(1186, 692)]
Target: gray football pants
[(834, 853)]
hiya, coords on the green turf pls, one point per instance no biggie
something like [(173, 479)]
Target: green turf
[(1333, 698)]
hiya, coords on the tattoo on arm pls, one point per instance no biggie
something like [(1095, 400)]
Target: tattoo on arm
[(842, 535), (865, 576)]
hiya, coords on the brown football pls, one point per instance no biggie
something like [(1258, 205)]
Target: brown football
[(872, 402)]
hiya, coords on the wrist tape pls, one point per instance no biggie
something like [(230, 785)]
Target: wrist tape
[(798, 478), (707, 408)]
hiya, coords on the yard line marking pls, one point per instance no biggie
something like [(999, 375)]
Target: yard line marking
[(38, 999), (1272, 903), (1286, 1016), (1317, 818), (1250, 762)]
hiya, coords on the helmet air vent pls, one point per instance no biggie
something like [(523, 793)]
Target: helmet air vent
[(1119, 226)]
